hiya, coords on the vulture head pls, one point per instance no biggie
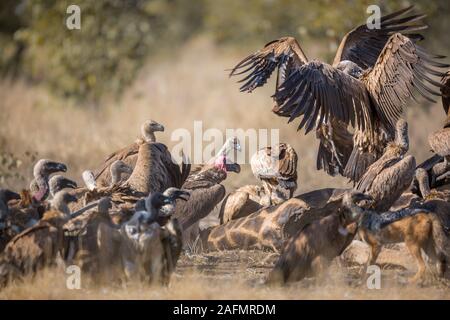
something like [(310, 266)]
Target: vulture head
[(6, 196), (59, 182), (61, 200), (117, 168), (226, 165), (44, 168), (350, 68), (149, 128), (354, 203), (41, 172)]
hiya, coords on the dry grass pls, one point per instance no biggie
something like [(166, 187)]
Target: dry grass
[(176, 91), (231, 275)]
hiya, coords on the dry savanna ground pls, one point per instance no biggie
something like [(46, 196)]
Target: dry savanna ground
[(176, 90)]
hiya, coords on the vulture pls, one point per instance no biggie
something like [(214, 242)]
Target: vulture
[(392, 174), (38, 246), (42, 170), (372, 77), (117, 169), (151, 240), (276, 168), (440, 140), (437, 167), (93, 241), (313, 247), (59, 182), (206, 191), (5, 197), (128, 154)]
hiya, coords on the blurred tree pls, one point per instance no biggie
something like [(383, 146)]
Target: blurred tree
[(117, 35)]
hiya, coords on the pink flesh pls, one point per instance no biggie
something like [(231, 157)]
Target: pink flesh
[(220, 163), (40, 194)]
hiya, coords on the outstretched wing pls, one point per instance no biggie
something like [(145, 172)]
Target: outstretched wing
[(319, 92), (284, 53), (401, 67), (363, 45)]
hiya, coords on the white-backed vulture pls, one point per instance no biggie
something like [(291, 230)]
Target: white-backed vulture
[(391, 175), (38, 246), (314, 246), (42, 170), (276, 168), (372, 77), (127, 154), (151, 240)]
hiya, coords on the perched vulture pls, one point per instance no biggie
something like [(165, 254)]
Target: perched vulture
[(38, 246), (391, 175), (151, 240), (276, 168), (310, 251), (128, 154), (206, 191), (372, 77), (42, 170)]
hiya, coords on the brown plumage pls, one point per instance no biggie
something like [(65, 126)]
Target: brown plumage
[(387, 178), (374, 73), (206, 191), (93, 241), (38, 246), (127, 154)]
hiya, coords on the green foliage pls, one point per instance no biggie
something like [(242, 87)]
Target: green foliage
[(117, 36)]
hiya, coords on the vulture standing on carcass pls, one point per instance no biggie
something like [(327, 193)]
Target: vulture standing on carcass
[(373, 76), (276, 168), (38, 246), (310, 251), (128, 154), (118, 169), (392, 174), (151, 240)]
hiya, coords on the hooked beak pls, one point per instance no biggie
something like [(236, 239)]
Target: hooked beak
[(159, 127), (56, 167), (67, 183), (233, 167)]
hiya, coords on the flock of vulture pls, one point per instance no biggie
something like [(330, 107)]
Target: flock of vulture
[(139, 210)]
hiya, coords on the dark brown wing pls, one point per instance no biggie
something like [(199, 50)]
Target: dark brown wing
[(335, 148), (121, 154), (318, 92), (363, 45), (445, 90), (284, 53), (401, 67), (365, 183)]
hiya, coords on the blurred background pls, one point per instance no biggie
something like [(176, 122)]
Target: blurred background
[(78, 95)]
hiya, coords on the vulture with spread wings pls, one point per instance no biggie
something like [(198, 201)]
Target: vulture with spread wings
[(373, 76)]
